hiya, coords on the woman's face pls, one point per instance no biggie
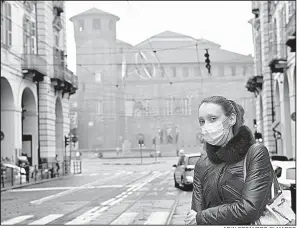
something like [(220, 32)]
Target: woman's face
[(210, 113)]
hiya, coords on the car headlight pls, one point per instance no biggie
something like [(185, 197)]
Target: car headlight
[(189, 178)]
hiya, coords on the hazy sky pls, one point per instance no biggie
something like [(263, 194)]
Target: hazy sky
[(225, 23)]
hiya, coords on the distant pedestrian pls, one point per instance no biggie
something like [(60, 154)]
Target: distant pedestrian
[(221, 193), (57, 164)]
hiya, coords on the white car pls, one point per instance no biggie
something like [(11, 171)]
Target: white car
[(286, 175), (184, 170)]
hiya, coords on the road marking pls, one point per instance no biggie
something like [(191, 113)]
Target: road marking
[(16, 220), (125, 218), (157, 218), (64, 188), (103, 209), (83, 218), (171, 193), (57, 195), (107, 202), (46, 219), (116, 201)]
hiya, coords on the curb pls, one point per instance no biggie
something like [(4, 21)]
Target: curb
[(33, 183), (111, 163)]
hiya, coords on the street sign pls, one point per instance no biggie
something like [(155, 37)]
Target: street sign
[(74, 139)]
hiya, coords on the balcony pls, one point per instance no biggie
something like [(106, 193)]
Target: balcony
[(256, 8), (34, 66), (64, 80), (58, 6), (278, 65), (291, 33)]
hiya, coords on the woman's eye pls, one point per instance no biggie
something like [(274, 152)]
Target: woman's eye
[(201, 122), (213, 119)]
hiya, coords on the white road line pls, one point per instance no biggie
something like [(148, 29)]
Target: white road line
[(125, 218), (47, 219), (107, 202), (116, 201), (157, 218), (103, 209), (47, 198), (64, 188), (83, 218), (16, 220)]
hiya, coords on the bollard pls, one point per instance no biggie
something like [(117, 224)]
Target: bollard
[(35, 172), (12, 176), (293, 197)]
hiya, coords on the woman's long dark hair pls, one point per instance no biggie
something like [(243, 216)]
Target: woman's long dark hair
[(229, 107)]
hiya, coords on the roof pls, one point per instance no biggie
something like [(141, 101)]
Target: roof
[(173, 39), (185, 53), (122, 43), (94, 11)]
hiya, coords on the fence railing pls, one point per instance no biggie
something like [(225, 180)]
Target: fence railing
[(13, 177)]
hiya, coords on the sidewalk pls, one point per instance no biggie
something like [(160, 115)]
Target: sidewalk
[(33, 183)]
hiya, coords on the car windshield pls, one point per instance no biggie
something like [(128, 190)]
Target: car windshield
[(193, 160), (291, 174)]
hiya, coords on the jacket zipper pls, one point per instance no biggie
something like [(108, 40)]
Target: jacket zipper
[(232, 191)]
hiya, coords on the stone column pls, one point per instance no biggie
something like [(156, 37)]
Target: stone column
[(267, 85)]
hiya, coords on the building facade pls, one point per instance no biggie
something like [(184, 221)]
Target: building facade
[(163, 92), (153, 88), (35, 82), (274, 35)]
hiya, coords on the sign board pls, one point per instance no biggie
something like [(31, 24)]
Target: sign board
[(74, 139)]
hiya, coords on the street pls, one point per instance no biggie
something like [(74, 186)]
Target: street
[(103, 194)]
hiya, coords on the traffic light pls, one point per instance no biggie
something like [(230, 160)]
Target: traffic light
[(141, 142), (207, 61), (66, 141), (255, 123)]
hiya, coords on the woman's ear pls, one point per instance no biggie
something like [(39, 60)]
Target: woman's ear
[(232, 119)]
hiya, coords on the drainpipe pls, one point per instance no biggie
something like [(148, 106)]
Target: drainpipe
[(37, 87)]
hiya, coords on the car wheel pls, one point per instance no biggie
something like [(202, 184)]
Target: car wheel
[(182, 185), (175, 182)]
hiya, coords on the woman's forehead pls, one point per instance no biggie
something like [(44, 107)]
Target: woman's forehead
[(210, 109)]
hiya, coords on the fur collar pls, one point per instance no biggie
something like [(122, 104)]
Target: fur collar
[(235, 150)]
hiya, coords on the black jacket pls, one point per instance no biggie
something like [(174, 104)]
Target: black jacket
[(220, 196)]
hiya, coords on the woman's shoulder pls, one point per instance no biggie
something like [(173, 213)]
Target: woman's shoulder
[(259, 152), (203, 161)]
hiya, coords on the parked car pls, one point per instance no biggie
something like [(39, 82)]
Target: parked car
[(286, 175), (184, 170), (19, 173)]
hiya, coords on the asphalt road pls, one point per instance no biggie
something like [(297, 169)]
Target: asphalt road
[(101, 195)]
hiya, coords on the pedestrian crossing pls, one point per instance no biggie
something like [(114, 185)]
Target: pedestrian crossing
[(127, 218), (91, 214)]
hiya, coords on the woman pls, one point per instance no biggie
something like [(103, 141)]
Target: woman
[(220, 194)]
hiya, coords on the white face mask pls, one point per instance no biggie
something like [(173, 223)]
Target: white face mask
[(213, 133)]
